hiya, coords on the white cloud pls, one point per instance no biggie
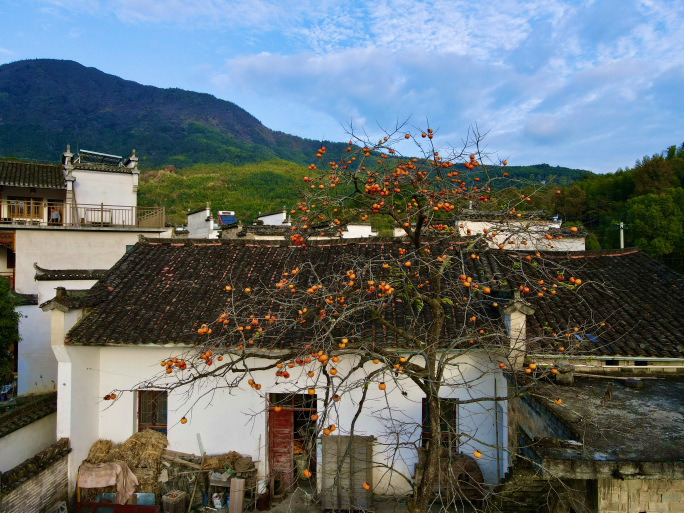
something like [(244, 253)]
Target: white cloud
[(551, 79), (5, 51)]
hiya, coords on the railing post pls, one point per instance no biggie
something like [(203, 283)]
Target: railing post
[(101, 215)]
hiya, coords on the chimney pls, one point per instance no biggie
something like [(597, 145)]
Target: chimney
[(60, 293), (515, 317)]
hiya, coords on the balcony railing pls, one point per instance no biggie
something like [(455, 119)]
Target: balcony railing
[(59, 213)]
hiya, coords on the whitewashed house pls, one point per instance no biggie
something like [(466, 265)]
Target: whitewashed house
[(149, 306), (61, 225), (526, 231)]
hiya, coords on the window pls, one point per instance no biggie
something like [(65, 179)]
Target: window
[(11, 259), (25, 207), (448, 423), (152, 410)]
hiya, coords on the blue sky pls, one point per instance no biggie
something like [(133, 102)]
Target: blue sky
[(588, 84)]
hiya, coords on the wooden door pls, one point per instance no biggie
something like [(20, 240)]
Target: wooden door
[(280, 441)]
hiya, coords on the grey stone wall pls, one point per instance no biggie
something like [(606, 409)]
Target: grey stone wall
[(39, 494)]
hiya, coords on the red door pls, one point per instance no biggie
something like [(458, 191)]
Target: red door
[(280, 440)]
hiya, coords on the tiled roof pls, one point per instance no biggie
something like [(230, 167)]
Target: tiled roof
[(70, 299), (163, 290), (640, 301), (19, 173), (29, 410), (103, 168), (25, 299), (68, 274), (23, 472)]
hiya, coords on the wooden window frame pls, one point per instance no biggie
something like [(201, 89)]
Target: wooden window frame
[(156, 423), (19, 207), (449, 419)]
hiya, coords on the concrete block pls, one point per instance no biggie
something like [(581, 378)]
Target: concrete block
[(658, 507), (671, 497)]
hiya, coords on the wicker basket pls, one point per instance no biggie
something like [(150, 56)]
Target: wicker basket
[(175, 502)]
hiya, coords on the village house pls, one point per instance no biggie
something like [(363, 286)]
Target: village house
[(522, 231), (63, 225), (149, 306)]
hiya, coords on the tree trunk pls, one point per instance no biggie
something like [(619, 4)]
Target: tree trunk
[(419, 503)]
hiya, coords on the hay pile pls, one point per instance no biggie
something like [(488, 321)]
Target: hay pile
[(142, 452), (221, 461), (99, 451), (144, 449)]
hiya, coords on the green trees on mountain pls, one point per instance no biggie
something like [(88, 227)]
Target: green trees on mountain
[(648, 199)]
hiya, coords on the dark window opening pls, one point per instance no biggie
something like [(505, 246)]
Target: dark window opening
[(612, 363), (641, 363), (152, 410), (448, 423), (11, 259), (294, 401)]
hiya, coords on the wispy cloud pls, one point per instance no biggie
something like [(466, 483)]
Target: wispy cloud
[(552, 80)]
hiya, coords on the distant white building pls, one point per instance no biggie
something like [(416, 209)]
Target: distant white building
[(273, 218), (530, 232), (201, 225)]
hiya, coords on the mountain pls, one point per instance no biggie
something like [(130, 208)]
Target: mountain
[(46, 104), (194, 147)]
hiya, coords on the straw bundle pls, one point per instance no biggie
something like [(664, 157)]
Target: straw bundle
[(221, 461), (147, 480), (115, 453), (144, 449), (99, 451)]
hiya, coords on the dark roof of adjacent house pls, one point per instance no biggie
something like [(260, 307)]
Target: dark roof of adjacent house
[(163, 290), (17, 173), (611, 422), (25, 299), (69, 299), (628, 304), (26, 410), (43, 274)]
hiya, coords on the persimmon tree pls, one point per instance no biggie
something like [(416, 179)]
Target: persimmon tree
[(400, 318)]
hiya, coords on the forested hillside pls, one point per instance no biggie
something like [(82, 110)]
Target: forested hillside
[(648, 198), (247, 189), (46, 104)]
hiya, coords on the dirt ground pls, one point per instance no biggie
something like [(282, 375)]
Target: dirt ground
[(300, 501)]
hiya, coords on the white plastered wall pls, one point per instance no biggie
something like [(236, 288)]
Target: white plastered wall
[(24, 443), (531, 232), (78, 385), (56, 249), (95, 187), (236, 421)]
